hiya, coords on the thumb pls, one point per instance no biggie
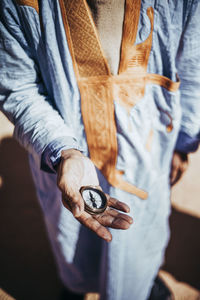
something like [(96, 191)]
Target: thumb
[(74, 202)]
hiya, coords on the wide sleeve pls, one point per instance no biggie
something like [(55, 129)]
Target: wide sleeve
[(188, 65), (23, 97)]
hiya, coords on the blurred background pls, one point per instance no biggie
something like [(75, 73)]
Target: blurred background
[(27, 267)]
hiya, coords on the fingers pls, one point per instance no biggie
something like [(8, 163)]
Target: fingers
[(113, 219), (112, 202), (178, 167), (95, 226), (98, 223), (184, 166), (174, 174), (117, 215), (74, 202), (110, 218)]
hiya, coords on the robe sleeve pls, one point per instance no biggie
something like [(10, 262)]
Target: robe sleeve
[(188, 65), (38, 127)]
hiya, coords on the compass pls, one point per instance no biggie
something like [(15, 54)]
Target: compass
[(94, 199)]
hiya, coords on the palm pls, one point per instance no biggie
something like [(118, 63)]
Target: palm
[(76, 171)]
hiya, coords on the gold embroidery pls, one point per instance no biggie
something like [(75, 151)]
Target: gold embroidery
[(99, 121), (131, 20), (98, 88), (163, 81), (32, 3), (86, 46)]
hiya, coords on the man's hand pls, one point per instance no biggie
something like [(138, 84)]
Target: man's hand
[(178, 166), (74, 171)]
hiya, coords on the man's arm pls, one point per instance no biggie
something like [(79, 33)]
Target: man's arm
[(23, 97), (42, 131), (188, 65)]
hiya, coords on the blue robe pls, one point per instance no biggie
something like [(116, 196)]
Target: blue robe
[(39, 94)]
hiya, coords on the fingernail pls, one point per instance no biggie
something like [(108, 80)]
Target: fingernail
[(127, 209), (76, 211), (108, 238)]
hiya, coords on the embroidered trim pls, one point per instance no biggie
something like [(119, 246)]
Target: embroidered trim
[(131, 20), (83, 39), (98, 88), (31, 3), (100, 127)]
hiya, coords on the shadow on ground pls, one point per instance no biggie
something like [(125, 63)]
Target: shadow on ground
[(183, 252), (27, 268)]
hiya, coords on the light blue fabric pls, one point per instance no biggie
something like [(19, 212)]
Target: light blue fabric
[(39, 94)]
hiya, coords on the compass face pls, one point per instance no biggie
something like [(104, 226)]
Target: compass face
[(95, 200)]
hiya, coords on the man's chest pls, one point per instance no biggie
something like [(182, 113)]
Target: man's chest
[(108, 17)]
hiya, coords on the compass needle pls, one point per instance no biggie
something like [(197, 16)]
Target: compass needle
[(94, 199)]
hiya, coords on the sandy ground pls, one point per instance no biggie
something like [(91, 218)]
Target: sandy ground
[(27, 268)]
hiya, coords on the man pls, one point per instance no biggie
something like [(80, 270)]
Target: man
[(99, 79)]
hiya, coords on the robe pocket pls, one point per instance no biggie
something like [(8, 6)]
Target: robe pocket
[(166, 108)]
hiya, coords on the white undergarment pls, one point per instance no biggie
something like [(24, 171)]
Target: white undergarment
[(108, 16)]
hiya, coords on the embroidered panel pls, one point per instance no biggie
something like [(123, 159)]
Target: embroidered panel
[(85, 43), (98, 88), (99, 121)]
